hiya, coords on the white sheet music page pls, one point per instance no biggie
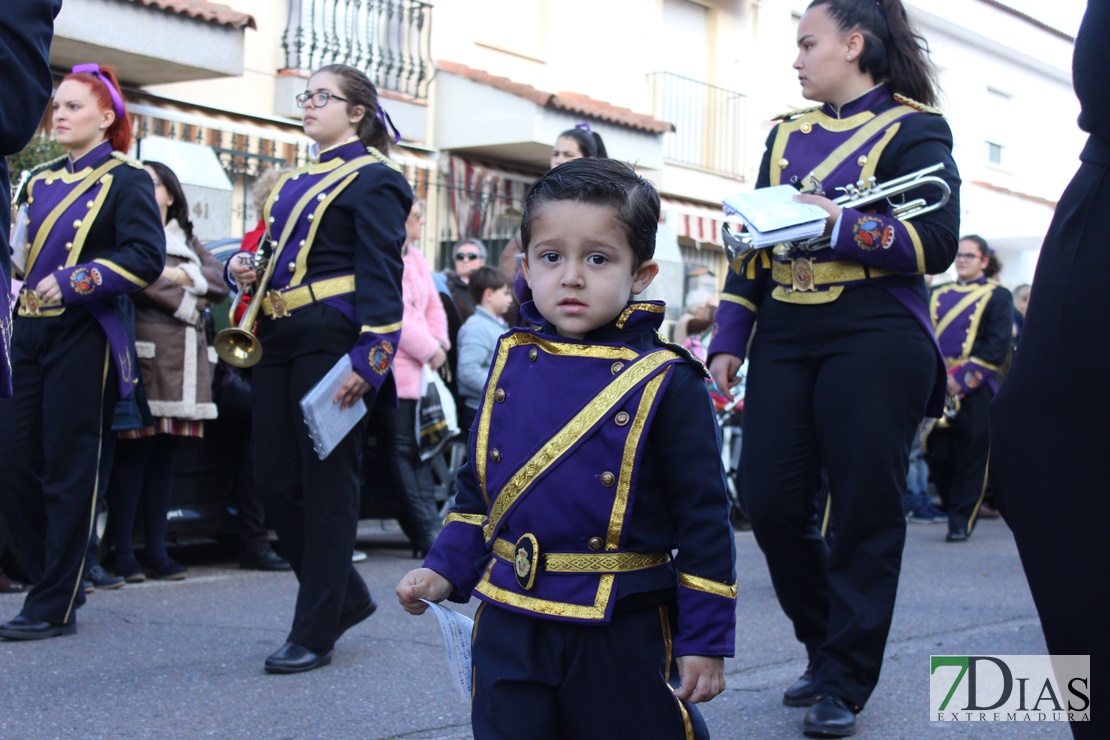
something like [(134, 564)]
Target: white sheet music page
[(773, 216), (327, 423), (457, 629)]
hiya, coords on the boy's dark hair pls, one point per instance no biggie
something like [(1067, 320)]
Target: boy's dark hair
[(600, 182), (483, 279)]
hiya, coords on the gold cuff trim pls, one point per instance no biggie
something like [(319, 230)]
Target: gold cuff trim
[(587, 562), (386, 329), (740, 301), (707, 586), (984, 363), (278, 303), (475, 520), (125, 274)]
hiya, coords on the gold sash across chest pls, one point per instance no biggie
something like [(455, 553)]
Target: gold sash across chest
[(564, 439), (47, 225)]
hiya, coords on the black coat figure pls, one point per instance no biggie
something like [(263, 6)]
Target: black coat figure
[(1049, 432), (26, 29)]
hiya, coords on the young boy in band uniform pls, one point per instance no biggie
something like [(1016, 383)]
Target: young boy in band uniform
[(594, 456)]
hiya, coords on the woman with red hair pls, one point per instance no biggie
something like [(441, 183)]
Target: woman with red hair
[(95, 235)]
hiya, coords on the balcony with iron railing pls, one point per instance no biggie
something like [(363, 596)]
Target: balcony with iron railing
[(709, 124), (390, 40)]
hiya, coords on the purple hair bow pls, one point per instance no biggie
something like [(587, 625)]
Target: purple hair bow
[(94, 69)]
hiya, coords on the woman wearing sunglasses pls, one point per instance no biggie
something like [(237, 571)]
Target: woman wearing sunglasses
[(332, 287)]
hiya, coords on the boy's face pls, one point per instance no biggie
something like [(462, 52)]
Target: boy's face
[(498, 300), (579, 266)]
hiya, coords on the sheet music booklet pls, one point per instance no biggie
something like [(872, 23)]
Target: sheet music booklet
[(772, 216), (327, 424)]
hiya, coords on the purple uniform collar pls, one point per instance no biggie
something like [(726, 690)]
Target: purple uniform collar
[(94, 157)]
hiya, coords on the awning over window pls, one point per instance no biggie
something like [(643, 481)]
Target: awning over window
[(484, 200), (693, 220)]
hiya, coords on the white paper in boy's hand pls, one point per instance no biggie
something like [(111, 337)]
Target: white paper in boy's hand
[(457, 629)]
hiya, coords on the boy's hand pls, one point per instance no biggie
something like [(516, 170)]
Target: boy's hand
[(422, 583), (703, 677)]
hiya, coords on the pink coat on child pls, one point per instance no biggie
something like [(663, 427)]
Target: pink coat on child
[(423, 325)]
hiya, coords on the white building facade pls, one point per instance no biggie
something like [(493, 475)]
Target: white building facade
[(683, 89)]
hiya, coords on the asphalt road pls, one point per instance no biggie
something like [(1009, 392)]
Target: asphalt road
[(184, 659)]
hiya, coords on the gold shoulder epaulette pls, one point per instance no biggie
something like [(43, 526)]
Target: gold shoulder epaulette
[(914, 104), (382, 158), (48, 165), (795, 113), (127, 160)]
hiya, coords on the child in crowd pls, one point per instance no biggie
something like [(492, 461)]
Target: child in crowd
[(478, 336), (593, 457)]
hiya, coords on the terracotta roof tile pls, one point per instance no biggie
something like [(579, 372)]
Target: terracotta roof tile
[(204, 11), (568, 101)]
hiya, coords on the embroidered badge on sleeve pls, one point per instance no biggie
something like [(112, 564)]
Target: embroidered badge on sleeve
[(84, 280), (381, 354)]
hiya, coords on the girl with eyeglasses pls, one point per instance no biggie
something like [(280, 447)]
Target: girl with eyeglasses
[(335, 228), (843, 366), (94, 236)]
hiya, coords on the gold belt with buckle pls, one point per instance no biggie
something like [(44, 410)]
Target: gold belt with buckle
[(277, 304), (586, 562), (803, 274), (32, 306)]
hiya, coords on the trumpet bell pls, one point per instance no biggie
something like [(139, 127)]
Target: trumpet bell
[(238, 347)]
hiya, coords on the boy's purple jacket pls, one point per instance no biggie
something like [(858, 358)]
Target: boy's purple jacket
[(582, 449)]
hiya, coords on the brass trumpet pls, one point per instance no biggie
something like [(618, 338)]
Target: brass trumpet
[(947, 417), (858, 195), (237, 345)]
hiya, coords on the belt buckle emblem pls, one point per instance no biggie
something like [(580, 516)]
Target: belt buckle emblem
[(31, 304), (277, 304), (801, 275)]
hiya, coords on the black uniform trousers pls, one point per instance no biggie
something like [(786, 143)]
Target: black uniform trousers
[(54, 432), (1050, 432), (841, 385), (544, 679), (957, 459), (312, 503)]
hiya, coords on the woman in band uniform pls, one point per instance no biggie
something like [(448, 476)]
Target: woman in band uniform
[(843, 365), (95, 235), (336, 228)]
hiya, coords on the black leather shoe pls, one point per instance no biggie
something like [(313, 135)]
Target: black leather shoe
[(829, 716), (294, 658), (800, 693), (22, 628), (102, 579), (359, 616), (265, 559), (956, 537)]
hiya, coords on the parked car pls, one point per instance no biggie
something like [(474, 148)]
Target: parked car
[(209, 471)]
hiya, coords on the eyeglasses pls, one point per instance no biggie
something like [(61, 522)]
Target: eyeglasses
[(319, 99), (969, 255), (460, 256)]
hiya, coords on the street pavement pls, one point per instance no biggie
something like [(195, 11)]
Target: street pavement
[(184, 659)]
